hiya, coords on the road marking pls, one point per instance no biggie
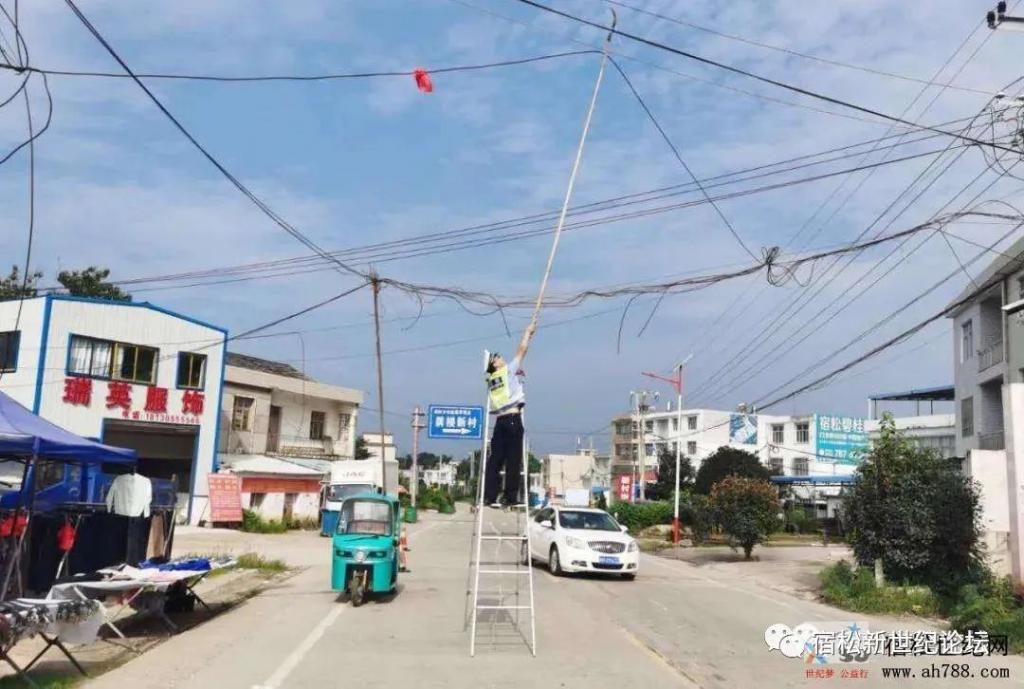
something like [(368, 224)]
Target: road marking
[(296, 656), (300, 652)]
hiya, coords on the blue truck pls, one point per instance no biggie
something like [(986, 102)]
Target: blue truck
[(62, 485)]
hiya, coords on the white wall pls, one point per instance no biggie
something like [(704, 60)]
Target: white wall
[(1014, 485), (307, 505), (254, 440), (988, 468), (135, 324), (21, 383)]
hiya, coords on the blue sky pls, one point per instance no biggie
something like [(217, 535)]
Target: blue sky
[(364, 161)]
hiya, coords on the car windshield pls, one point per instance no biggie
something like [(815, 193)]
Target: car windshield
[(588, 521), (339, 492), (370, 517)]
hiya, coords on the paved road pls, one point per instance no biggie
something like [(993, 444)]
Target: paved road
[(673, 627)]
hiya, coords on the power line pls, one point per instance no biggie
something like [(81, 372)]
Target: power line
[(757, 77), (679, 157), (795, 53), (338, 76)]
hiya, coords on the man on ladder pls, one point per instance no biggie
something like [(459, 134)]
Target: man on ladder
[(507, 399)]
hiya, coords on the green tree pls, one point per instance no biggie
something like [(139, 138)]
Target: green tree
[(746, 509), (91, 282), (535, 464), (665, 487), (728, 461), (14, 286), (915, 512), (361, 451)]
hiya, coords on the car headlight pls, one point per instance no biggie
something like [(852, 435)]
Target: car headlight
[(573, 542), (633, 547), (360, 555)]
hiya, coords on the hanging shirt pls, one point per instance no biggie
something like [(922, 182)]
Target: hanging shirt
[(130, 496)]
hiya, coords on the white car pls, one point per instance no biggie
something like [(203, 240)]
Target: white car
[(581, 539)]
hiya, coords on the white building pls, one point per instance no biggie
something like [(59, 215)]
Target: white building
[(443, 475), (129, 373), (279, 431), (988, 356), (372, 441), (584, 470), (928, 431)]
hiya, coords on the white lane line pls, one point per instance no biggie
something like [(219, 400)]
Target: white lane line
[(303, 649), (297, 656)]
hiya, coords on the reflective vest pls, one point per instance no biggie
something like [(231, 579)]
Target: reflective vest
[(500, 393)]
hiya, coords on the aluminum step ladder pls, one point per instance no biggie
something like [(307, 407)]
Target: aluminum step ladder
[(495, 594)]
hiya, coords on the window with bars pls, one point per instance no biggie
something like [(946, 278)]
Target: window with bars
[(803, 432), (967, 417), (691, 447), (778, 433), (317, 419), (691, 423), (241, 414), (801, 466)]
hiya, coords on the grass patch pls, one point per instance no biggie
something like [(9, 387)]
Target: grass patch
[(994, 607), (261, 564), (253, 522), (43, 681), (653, 545), (855, 590)]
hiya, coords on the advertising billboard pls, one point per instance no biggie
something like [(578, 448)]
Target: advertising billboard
[(743, 429), (840, 439)]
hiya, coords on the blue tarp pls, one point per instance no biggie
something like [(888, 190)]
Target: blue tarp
[(23, 434)]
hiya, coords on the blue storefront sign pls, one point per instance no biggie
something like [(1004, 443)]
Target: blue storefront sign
[(840, 439), (455, 422)]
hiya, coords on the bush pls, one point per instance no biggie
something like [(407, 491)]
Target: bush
[(855, 590), (725, 462), (695, 512), (435, 499), (798, 521), (746, 509), (994, 608), (637, 516), (916, 513), (253, 522)]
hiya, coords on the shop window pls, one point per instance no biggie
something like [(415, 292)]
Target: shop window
[(317, 420), (9, 343), (88, 356), (241, 414), (134, 363), (191, 370)]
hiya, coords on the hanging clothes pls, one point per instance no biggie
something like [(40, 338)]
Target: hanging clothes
[(157, 539), (130, 495)]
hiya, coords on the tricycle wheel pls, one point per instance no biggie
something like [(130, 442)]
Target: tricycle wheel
[(357, 591)]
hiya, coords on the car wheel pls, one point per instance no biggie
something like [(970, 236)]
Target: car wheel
[(629, 577), (554, 564)]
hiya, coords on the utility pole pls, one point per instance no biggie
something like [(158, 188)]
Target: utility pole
[(417, 426), (998, 16), (677, 383), (640, 397), (375, 283)]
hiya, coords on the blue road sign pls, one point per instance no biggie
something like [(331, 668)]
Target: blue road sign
[(455, 422)]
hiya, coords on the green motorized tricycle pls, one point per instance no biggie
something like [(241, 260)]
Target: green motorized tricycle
[(365, 546)]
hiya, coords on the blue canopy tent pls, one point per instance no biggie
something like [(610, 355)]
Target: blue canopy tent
[(26, 437)]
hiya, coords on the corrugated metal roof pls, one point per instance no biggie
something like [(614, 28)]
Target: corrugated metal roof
[(265, 464)]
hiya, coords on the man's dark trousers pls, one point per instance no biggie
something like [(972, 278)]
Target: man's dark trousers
[(507, 453)]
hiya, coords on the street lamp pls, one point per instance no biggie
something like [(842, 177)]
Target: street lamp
[(677, 383)]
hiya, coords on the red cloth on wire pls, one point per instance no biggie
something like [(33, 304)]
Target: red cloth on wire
[(423, 82)]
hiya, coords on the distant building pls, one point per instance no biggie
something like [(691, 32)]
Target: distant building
[(372, 442), (583, 470), (443, 475), (988, 365), (928, 431), (279, 431)]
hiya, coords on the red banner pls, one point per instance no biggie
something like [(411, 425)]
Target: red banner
[(225, 498), (280, 485)]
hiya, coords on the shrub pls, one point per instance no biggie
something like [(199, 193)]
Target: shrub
[(637, 516), (725, 462), (855, 590), (916, 513), (253, 522), (746, 509), (433, 498), (695, 512), (994, 608)]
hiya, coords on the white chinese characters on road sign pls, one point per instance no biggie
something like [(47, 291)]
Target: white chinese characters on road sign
[(455, 421)]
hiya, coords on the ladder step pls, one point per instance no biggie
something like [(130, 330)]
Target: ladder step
[(503, 607), (505, 537), (504, 571)]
